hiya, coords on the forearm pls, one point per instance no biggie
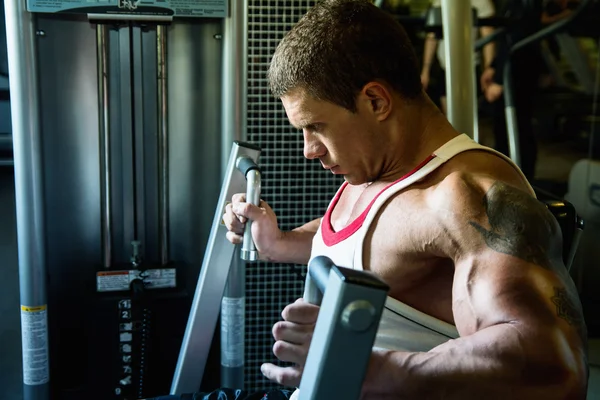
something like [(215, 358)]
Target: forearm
[(496, 362), (429, 51), (489, 50), (295, 246)]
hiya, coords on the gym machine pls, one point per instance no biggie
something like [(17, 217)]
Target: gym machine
[(221, 269), (24, 34), (352, 303), (351, 306), (105, 142)]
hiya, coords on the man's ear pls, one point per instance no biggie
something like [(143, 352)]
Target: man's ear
[(379, 99)]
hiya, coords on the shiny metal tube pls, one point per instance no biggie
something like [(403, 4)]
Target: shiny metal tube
[(235, 79), (104, 133), (163, 143), (514, 148), (253, 189), (29, 194), (457, 18), (234, 127)]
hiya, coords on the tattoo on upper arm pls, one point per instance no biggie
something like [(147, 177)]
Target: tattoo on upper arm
[(523, 227), (569, 309), (565, 308), (519, 226)]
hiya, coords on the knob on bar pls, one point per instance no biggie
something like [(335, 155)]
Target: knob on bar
[(251, 171)]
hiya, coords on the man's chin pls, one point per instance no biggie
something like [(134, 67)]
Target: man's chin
[(352, 180)]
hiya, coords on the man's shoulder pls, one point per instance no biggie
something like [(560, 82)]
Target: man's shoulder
[(479, 169), (462, 186), (462, 181), (463, 191)]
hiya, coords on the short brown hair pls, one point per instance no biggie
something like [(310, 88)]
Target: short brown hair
[(338, 47)]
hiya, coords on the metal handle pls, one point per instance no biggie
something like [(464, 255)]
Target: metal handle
[(316, 279), (253, 186)]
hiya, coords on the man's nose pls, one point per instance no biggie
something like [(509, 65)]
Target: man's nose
[(312, 147)]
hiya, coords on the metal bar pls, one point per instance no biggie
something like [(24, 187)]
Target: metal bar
[(129, 17), (123, 102), (346, 328), (233, 325), (211, 283), (235, 79), (481, 42), (457, 21), (575, 243), (253, 188), (137, 158), (163, 143), (104, 133), (29, 194), (234, 127)]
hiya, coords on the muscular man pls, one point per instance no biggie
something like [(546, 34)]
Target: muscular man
[(481, 305)]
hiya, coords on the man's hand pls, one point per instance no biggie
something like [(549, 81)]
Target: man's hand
[(293, 336), (487, 78), (493, 92), (265, 231)]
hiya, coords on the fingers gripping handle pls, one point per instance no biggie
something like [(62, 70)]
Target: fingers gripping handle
[(316, 279), (253, 185)]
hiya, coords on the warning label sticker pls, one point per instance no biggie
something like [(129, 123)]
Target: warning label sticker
[(34, 333), (232, 331), (114, 281)]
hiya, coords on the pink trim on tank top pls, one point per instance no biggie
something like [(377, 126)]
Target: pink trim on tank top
[(330, 236)]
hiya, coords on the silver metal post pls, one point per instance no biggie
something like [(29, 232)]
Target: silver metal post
[(233, 325), (163, 143), (253, 189), (235, 126), (104, 130), (27, 150), (475, 134), (235, 79), (457, 22)]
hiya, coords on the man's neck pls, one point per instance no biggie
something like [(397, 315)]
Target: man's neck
[(416, 132)]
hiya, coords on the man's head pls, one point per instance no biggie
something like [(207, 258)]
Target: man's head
[(338, 47), (344, 74)]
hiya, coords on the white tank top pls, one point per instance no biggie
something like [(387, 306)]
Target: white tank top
[(402, 327)]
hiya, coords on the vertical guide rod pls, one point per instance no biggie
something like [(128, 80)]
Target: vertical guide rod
[(104, 133), (29, 195), (163, 143), (457, 20), (234, 123), (234, 128)]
